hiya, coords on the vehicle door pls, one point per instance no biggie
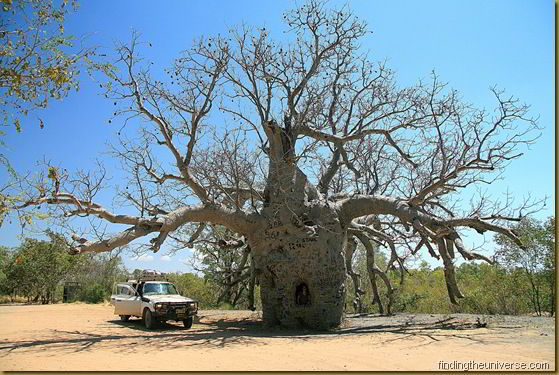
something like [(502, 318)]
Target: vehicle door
[(126, 300)]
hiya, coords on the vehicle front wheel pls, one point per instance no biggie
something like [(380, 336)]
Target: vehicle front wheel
[(124, 318), (188, 322), (149, 322)]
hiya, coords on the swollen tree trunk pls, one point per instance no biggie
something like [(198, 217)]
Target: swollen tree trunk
[(299, 260)]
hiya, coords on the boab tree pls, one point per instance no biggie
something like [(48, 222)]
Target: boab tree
[(300, 148)]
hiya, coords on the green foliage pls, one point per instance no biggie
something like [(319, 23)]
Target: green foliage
[(36, 267), (93, 293), (536, 259), (512, 287), (36, 64), (97, 275), (193, 286), (4, 258), (539, 241), (488, 289), (225, 306), (424, 290), (226, 267), (492, 289)]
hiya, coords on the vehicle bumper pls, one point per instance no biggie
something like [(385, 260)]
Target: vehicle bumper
[(177, 314)]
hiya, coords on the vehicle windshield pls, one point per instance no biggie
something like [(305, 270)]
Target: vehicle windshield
[(159, 288)]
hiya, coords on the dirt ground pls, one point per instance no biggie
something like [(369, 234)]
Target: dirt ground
[(89, 337)]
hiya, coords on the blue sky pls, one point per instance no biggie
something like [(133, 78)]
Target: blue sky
[(471, 44)]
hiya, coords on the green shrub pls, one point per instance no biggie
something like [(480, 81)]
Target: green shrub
[(93, 293), (225, 306)]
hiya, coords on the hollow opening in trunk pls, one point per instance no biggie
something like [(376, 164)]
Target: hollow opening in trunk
[(302, 294)]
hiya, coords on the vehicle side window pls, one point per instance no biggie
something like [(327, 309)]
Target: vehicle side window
[(124, 290)]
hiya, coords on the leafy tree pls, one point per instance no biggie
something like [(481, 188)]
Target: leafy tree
[(4, 259), (493, 289), (36, 65), (225, 261), (37, 267), (318, 148), (488, 289), (97, 275), (93, 293), (536, 259), (193, 286), (39, 62), (423, 291)]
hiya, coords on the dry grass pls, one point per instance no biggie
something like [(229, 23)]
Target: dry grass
[(10, 299)]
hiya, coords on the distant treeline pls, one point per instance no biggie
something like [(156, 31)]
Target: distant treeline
[(38, 271), (488, 289), (523, 281)]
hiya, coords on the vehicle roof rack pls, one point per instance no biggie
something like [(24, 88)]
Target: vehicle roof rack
[(150, 275)]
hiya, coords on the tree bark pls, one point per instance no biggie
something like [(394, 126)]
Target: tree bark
[(300, 264)]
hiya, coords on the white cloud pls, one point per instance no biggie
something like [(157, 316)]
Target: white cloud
[(166, 258), (144, 258)]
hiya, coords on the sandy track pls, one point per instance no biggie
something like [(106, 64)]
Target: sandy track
[(89, 337)]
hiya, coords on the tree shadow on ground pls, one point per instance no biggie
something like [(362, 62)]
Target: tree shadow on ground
[(219, 333)]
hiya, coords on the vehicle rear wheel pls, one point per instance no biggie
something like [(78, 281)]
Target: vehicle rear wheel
[(149, 322), (188, 322), (124, 318)]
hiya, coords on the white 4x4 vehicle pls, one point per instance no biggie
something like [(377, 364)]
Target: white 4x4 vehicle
[(154, 300)]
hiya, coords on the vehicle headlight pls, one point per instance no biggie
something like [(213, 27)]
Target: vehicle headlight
[(160, 307), (193, 306)]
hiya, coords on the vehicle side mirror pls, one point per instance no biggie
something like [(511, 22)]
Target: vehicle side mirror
[(144, 299)]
